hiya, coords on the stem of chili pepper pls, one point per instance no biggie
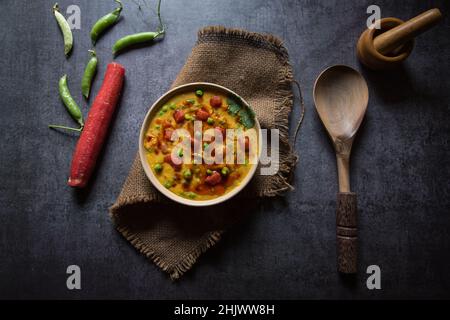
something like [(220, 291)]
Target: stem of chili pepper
[(55, 126), (161, 28)]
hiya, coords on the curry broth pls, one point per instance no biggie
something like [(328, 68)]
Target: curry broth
[(193, 181)]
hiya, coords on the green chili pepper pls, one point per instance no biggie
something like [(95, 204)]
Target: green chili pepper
[(210, 121), (65, 30), (133, 39), (139, 38), (70, 104), (105, 22), (199, 93), (89, 73)]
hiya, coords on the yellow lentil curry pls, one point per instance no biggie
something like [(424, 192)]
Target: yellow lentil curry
[(193, 180)]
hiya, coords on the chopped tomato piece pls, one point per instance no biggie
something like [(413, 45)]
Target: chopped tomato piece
[(178, 116), (168, 134), (215, 102), (214, 179), (202, 115)]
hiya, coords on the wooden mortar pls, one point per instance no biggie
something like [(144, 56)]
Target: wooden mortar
[(390, 45)]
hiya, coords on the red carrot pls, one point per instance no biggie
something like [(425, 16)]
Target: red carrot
[(96, 127)]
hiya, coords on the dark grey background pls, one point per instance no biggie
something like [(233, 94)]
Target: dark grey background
[(400, 163)]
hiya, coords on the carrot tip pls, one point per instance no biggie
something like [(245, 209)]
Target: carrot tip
[(76, 183)]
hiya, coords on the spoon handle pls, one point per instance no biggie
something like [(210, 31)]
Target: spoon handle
[(346, 232)]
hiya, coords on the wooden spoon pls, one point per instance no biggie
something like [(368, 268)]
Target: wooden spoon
[(341, 96)]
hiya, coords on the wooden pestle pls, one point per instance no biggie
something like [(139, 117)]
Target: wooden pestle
[(390, 40)]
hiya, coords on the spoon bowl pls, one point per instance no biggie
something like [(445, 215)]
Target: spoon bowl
[(341, 96)]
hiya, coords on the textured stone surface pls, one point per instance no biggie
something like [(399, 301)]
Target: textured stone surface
[(400, 163)]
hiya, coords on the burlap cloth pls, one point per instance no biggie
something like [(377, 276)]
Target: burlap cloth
[(173, 236)]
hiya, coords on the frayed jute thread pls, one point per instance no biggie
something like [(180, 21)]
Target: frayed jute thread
[(176, 271), (264, 40)]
